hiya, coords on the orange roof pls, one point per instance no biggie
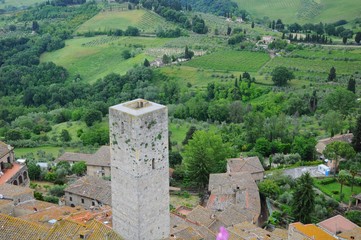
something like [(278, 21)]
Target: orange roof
[(312, 231), (337, 224), (9, 173)]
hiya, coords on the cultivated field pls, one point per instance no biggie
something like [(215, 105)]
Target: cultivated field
[(145, 20), (231, 61), (311, 63), (95, 57), (303, 10), (18, 3)]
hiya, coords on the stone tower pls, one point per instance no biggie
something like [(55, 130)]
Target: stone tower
[(139, 170)]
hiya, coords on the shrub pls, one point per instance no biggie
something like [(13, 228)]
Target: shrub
[(51, 199), (335, 192), (328, 181)]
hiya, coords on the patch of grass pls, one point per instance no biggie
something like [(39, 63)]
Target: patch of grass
[(147, 21), (231, 61), (18, 3), (329, 188), (94, 58), (20, 152), (177, 201), (72, 128)]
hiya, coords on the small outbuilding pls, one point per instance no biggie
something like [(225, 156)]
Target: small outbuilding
[(322, 168)]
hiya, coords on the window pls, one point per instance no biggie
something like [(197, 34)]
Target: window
[(70, 198), (153, 164), (93, 203), (82, 200)]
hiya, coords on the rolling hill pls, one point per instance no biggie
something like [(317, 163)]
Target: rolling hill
[(303, 11)]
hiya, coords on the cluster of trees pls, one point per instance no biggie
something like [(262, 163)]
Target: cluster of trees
[(170, 10), (170, 33)]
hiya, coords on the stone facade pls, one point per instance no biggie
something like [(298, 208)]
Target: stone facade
[(140, 170)]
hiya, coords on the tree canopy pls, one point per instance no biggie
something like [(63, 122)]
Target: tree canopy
[(280, 76), (303, 199), (203, 155)]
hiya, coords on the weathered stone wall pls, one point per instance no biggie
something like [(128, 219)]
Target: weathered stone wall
[(73, 200), (98, 171), (7, 207), (140, 170)]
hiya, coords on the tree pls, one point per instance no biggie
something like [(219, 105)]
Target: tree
[(332, 122), (354, 168), (79, 168), (269, 188), (344, 40), (340, 100), (263, 146), (358, 37), (34, 171), (252, 25), (305, 147), (166, 59), (189, 135), (351, 86), (332, 74), (303, 199), (35, 26), (146, 63), (343, 177), (188, 53), (126, 54), (337, 150), (65, 136), (92, 116), (356, 140), (280, 76), (203, 155), (354, 216)]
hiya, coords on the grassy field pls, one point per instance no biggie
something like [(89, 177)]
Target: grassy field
[(327, 189), (94, 58), (317, 63), (20, 152), (18, 3), (231, 61), (302, 11), (145, 20)]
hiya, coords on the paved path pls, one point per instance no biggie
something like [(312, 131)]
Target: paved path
[(297, 172)]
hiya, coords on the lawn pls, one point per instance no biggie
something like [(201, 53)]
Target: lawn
[(302, 11), (146, 21), (54, 151), (94, 58), (327, 189), (19, 3), (231, 61)]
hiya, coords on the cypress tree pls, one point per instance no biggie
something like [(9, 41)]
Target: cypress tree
[(351, 86), (356, 140)]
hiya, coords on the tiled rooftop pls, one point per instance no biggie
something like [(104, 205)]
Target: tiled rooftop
[(337, 224), (99, 158), (11, 191), (312, 231), (249, 164), (9, 173), (93, 188)]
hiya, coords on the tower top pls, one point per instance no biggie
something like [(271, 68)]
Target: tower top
[(137, 107)]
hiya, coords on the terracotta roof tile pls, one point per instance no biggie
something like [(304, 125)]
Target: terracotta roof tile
[(12, 228), (73, 157), (93, 188), (337, 224), (99, 158), (312, 231), (11, 191), (201, 215), (354, 234)]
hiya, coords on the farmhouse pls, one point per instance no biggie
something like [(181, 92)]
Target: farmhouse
[(88, 191), (234, 189), (11, 171), (98, 164), (251, 165)]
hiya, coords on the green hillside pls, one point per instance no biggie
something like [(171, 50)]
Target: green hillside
[(145, 20), (303, 10), (96, 57), (6, 4)]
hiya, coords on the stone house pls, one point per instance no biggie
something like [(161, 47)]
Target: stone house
[(11, 171), (16, 194), (98, 164), (251, 165), (88, 191), (235, 189)]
